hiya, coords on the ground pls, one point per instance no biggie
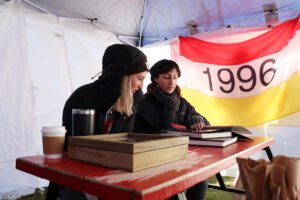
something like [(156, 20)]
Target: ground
[(212, 194)]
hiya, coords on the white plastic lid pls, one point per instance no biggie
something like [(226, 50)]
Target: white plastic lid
[(53, 130)]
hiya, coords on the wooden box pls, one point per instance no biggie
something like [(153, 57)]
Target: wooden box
[(128, 151)]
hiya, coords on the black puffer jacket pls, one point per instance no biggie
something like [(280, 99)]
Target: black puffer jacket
[(149, 117)]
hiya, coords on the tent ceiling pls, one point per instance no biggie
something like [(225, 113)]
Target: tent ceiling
[(142, 22)]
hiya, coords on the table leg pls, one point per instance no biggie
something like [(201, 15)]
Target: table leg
[(269, 153), (223, 186), (181, 196)]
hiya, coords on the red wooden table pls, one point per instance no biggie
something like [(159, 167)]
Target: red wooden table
[(158, 182)]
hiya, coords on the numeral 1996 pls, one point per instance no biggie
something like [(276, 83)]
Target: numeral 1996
[(231, 82)]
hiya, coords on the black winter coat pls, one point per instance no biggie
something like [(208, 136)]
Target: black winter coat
[(149, 116), (101, 97)]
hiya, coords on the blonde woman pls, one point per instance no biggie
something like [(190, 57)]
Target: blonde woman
[(124, 70), (112, 96)]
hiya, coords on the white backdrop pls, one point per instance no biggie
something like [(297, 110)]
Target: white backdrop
[(43, 58), (17, 96)]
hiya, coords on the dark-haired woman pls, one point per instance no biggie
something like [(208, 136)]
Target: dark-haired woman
[(163, 105)]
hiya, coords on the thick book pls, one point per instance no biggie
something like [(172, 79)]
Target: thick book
[(215, 142), (201, 135)]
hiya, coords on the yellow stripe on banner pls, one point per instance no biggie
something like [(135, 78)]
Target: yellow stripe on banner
[(274, 103)]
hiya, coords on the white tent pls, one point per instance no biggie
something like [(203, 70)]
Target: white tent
[(49, 48)]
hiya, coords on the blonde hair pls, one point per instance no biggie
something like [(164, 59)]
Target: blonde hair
[(125, 102)]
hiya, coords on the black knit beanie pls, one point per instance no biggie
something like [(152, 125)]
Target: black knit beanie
[(120, 60)]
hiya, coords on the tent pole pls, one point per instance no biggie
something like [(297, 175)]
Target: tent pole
[(142, 25), (47, 12), (35, 6), (118, 36)]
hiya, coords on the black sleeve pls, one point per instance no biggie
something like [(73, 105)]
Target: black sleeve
[(147, 118), (140, 124), (137, 96), (191, 111)]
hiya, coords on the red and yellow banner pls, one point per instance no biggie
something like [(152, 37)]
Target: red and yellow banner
[(246, 83)]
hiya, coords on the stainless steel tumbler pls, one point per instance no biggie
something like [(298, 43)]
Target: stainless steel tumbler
[(83, 122)]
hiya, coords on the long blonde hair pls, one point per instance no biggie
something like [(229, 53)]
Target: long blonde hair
[(125, 102)]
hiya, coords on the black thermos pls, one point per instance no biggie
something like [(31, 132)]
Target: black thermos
[(83, 122)]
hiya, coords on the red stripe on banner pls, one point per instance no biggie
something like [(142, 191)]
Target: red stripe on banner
[(237, 53)]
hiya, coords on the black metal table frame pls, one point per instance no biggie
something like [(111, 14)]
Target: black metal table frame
[(222, 185)]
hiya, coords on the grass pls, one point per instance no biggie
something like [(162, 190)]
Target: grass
[(212, 194), (38, 194)]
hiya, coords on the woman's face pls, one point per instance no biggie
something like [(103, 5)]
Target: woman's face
[(137, 81), (167, 82)]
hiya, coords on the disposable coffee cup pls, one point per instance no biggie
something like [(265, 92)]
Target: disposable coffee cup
[(83, 122), (53, 141)]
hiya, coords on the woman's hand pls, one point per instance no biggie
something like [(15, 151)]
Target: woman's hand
[(197, 123)]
